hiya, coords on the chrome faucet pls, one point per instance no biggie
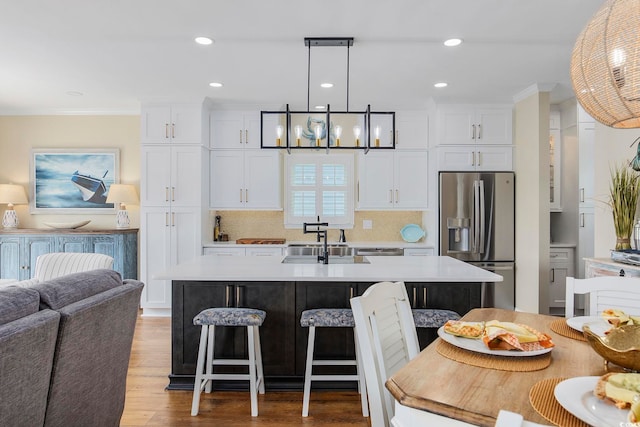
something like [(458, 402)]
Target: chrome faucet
[(324, 257)]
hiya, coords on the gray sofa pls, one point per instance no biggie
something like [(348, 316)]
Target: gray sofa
[(79, 376)]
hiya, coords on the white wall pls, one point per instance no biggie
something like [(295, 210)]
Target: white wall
[(612, 146), (531, 163)]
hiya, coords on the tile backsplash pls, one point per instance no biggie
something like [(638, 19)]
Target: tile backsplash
[(386, 225)]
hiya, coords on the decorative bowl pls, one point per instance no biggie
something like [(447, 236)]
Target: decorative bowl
[(620, 346), (67, 225), (411, 233)]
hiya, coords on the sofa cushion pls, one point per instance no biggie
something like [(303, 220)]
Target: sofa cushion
[(62, 291), (16, 302)]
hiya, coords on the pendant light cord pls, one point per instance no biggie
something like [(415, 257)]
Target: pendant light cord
[(347, 77)]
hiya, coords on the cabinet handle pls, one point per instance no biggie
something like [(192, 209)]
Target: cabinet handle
[(582, 220), (166, 194), (173, 219), (473, 131), (582, 195), (173, 194), (240, 139), (397, 196), (173, 130), (166, 130), (473, 158), (479, 159), (241, 195), (227, 296), (390, 196), (424, 297), (246, 136), (166, 219), (415, 298), (246, 195), (479, 131), (553, 275), (397, 137), (238, 296)]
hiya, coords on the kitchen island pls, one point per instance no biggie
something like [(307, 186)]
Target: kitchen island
[(285, 290)]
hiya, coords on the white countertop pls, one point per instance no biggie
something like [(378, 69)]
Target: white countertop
[(265, 269), (353, 244)]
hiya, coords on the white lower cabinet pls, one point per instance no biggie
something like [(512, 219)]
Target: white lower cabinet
[(561, 266), (168, 237), (241, 251), (392, 180), (245, 179), (475, 158), (419, 252)]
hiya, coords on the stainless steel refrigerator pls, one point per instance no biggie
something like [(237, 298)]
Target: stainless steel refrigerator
[(477, 225)]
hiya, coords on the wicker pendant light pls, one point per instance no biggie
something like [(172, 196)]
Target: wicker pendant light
[(605, 65)]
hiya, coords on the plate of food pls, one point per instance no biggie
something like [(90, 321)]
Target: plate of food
[(496, 338), (577, 396), (598, 324)]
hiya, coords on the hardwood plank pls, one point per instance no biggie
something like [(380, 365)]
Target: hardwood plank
[(147, 402)]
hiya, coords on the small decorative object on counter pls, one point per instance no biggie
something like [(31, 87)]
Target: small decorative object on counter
[(224, 237), (623, 199), (216, 229), (636, 235)]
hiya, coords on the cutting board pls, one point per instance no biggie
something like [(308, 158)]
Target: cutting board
[(258, 241)]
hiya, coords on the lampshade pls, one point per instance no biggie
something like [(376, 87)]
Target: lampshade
[(12, 194), (122, 193), (605, 65)]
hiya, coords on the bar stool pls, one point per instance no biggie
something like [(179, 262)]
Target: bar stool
[(209, 319), (334, 318), (432, 318)]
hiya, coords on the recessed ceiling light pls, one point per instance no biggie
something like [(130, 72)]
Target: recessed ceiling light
[(215, 84), (452, 42), (326, 85), (74, 93), (320, 107), (441, 84), (204, 40)]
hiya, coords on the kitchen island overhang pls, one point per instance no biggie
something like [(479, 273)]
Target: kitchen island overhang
[(284, 291)]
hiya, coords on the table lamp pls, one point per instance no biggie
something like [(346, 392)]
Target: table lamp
[(11, 194), (122, 193)]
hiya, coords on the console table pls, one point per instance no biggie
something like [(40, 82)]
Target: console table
[(20, 247)]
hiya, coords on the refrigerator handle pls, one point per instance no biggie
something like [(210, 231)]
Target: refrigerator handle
[(476, 216), (482, 214)]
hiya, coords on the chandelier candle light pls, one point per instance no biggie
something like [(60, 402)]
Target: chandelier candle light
[(12, 194), (122, 193)]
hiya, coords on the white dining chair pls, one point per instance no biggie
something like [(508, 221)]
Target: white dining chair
[(387, 338), (512, 419), (622, 293)]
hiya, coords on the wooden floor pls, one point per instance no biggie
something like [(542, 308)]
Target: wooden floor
[(149, 404)]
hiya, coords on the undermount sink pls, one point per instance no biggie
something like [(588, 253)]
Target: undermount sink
[(313, 259), (315, 249)]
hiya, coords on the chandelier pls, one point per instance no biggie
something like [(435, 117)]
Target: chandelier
[(327, 129), (605, 65)]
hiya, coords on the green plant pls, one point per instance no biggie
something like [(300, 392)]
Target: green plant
[(623, 193)]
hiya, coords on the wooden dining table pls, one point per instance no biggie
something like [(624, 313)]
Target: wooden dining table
[(437, 384)]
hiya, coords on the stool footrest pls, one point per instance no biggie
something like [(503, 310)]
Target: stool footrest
[(335, 377), (334, 362), (238, 362)]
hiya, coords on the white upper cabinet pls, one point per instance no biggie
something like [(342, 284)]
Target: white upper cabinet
[(412, 130), (235, 129), (245, 179), (469, 124), (392, 180), (171, 123), (586, 165), (475, 158), (171, 176)]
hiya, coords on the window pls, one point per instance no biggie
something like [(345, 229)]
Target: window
[(319, 185)]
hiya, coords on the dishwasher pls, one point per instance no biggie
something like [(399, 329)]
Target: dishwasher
[(380, 251)]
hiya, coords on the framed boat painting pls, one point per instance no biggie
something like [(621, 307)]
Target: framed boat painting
[(73, 180)]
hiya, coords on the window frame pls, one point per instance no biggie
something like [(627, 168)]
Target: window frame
[(320, 159)]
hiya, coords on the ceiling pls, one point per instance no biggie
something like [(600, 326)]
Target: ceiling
[(119, 53)]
